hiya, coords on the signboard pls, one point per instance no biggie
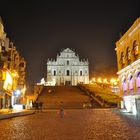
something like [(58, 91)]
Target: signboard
[(8, 82)]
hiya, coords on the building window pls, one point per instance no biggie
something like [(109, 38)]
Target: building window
[(81, 73), (138, 82), (21, 65), (135, 48), (3, 48), (68, 62), (54, 72), (124, 86), (68, 72), (130, 82), (128, 54)]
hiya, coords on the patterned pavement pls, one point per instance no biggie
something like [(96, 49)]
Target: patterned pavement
[(78, 124)]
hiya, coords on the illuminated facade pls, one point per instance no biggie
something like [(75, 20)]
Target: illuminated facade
[(67, 69), (128, 59), (12, 69)]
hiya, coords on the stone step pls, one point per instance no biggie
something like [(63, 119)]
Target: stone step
[(71, 96)]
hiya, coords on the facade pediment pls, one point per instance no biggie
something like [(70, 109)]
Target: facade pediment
[(68, 50), (68, 69)]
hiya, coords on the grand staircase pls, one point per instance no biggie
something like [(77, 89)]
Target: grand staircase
[(71, 96)]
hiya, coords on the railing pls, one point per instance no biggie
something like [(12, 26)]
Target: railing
[(37, 91)]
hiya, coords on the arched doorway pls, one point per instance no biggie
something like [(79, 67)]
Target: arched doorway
[(124, 86), (138, 81), (68, 78), (130, 83)]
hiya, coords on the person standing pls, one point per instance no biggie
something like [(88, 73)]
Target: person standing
[(61, 109)]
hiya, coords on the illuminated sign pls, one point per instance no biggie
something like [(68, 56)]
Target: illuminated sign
[(8, 81)]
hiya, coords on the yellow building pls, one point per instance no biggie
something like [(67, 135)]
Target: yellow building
[(128, 60), (12, 71)]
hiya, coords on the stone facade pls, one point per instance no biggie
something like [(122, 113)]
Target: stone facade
[(67, 69), (128, 59)]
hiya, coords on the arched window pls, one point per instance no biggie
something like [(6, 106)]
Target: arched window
[(128, 54), (124, 86), (81, 73), (54, 73), (138, 81), (68, 72), (130, 82), (135, 48), (67, 62)]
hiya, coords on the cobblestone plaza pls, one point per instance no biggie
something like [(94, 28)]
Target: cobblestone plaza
[(100, 124)]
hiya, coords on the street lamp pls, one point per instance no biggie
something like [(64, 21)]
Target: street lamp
[(94, 80), (99, 80)]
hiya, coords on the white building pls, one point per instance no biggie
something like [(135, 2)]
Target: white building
[(67, 69)]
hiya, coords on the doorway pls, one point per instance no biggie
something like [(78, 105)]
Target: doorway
[(67, 83)]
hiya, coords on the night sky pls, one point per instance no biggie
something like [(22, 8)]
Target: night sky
[(41, 29)]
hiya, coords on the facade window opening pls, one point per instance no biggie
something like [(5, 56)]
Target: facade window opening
[(21, 65), (124, 86), (138, 75), (131, 77), (135, 48), (54, 73), (67, 62), (128, 54), (81, 73), (68, 72), (131, 88), (138, 82)]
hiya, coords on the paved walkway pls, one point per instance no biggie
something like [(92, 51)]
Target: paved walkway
[(102, 124), (6, 113)]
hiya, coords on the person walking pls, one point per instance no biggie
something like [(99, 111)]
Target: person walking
[(61, 112)]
